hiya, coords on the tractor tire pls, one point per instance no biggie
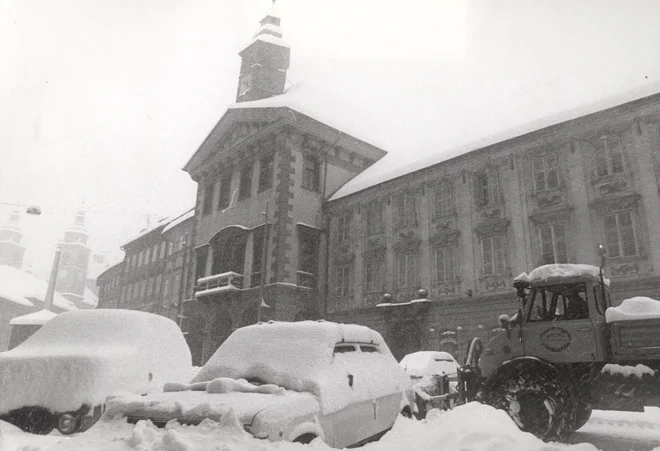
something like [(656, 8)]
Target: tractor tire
[(582, 415), (534, 395)]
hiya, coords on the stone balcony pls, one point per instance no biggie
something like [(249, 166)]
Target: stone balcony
[(218, 283)]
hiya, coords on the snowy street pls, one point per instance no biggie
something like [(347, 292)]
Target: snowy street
[(472, 427)]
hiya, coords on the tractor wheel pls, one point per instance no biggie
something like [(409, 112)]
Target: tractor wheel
[(582, 415), (534, 396)]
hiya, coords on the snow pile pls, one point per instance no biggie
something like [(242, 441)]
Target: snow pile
[(299, 357), (423, 363), (638, 371), (80, 357), (632, 309), (25, 289), (473, 427), (545, 272)]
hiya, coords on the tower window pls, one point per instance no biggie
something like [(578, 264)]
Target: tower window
[(266, 173), (311, 173), (208, 198), (245, 187)]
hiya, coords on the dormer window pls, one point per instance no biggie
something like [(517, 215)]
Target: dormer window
[(608, 156)]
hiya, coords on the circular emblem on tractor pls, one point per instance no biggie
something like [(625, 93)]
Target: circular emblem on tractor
[(555, 339)]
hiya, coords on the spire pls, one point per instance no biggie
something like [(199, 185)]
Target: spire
[(265, 61)]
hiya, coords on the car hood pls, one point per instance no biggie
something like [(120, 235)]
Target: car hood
[(192, 407), (65, 379)]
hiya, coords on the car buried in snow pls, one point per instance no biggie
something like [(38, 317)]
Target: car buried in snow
[(288, 381), (434, 378), (60, 376)]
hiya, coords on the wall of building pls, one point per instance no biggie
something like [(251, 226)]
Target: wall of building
[(573, 201)]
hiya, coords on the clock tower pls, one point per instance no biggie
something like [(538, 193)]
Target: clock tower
[(264, 61)]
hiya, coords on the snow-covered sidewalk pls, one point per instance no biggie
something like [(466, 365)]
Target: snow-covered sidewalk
[(473, 427)]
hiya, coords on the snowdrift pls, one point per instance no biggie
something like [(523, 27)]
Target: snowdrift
[(633, 309), (81, 357)]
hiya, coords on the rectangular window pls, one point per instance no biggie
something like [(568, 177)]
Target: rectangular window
[(208, 198), (200, 263), (608, 156), (147, 255), (406, 210), (488, 188), (245, 187), (140, 258), (443, 259), (266, 172), (492, 252), (545, 173), (159, 280), (170, 247), (311, 173), (182, 242), (374, 218), (224, 197), (257, 255), (150, 287), (154, 253), (166, 288), (372, 276), (163, 245), (406, 271), (444, 199), (553, 244), (344, 227), (620, 235), (343, 280)]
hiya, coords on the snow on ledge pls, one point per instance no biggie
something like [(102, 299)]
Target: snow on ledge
[(37, 318), (626, 371), (633, 309)]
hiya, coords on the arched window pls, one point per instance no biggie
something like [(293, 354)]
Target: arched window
[(228, 247)]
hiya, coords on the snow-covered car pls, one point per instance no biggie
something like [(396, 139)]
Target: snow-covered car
[(433, 375), (60, 376), (288, 381)]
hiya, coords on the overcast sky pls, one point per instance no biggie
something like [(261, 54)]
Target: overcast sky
[(102, 102)]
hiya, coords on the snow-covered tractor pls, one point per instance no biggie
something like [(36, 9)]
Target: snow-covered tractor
[(545, 367)]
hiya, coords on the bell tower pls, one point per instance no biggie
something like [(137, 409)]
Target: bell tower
[(11, 249), (74, 261), (265, 61)]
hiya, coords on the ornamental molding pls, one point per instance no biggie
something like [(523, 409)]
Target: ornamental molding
[(492, 228), (545, 199), (616, 203), (407, 241), (445, 237), (560, 213)]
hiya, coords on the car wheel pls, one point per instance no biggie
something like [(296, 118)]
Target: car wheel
[(68, 423), (305, 439)]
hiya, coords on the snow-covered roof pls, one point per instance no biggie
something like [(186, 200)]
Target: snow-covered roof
[(40, 318), (545, 272), (25, 289), (424, 363), (178, 220), (311, 100), (633, 309)]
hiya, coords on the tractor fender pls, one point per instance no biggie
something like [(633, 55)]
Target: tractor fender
[(514, 366)]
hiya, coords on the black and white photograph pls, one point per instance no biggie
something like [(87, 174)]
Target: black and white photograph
[(425, 225)]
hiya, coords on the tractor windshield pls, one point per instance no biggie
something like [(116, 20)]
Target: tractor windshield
[(559, 303)]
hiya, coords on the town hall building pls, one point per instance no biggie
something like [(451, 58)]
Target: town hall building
[(292, 223)]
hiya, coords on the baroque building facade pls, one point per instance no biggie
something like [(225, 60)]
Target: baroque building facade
[(427, 258), (462, 229)]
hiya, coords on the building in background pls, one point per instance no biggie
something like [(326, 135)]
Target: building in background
[(109, 286), (74, 264), (11, 248)]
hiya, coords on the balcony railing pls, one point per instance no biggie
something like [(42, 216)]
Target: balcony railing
[(217, 283)]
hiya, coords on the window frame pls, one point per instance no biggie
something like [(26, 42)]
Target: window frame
[(452, 264), (443, 199), (405, 214), (604, 156), (245, 182), (224, 192), (266, 172), (488, 187), (373, 286), (410, 275), (311, 175), (547, 170), (343, 280), (495, 270), (553, 242), (207, 198), (344, 227), (620, 243)]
